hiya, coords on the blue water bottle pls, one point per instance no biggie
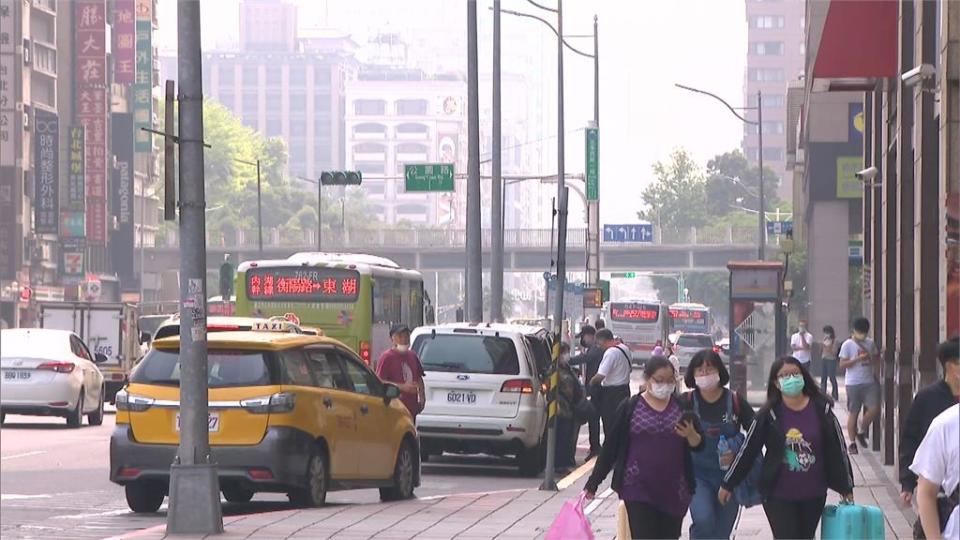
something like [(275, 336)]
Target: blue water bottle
[(723, 448)]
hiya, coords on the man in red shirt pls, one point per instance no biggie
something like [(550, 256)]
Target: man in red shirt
[(400, 365)]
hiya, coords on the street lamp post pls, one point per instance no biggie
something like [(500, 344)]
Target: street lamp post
[(497, 188), (761, 225), (259, 205)]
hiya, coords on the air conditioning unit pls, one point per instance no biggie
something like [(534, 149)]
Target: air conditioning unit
[(27, 52)]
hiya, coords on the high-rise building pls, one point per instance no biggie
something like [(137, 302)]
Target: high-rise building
[(775, 56), (284, 85)]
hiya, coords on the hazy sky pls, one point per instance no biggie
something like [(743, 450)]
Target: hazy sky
[(645, 47)]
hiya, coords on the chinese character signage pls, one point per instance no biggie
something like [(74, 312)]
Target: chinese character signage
[(8, 74), (143, 89), (91, 111), (75, 176), (848, 186), (46, 200), (593, 164), (121, 193), (296, 284), (124, 42)]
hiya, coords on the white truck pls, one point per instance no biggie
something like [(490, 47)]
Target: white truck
[(108, 328)]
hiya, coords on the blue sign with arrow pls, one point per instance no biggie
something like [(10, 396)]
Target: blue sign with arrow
[(779, 227), (633, 232)]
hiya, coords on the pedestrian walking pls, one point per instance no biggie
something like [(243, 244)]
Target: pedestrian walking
[(937, 466), (613, 377), (569, 393), (800, 343), (804, 453), (590, 358), (927, 405), (401, 366), (649, 451), (860, 358), (828, 371), (722, 414)]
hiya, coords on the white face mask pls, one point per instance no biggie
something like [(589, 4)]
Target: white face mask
[(662, 390), (708, 382), (403, 348)]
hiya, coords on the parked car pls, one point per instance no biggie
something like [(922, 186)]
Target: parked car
[(484, 391), (289, 413), (687, 345), (50, 373)]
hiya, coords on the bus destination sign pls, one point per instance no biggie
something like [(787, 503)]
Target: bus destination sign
[(299, 284), (635, 312)]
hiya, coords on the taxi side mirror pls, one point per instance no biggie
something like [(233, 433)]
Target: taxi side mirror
[(390, 392)]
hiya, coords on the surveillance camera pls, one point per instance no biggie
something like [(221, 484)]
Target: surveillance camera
[(868, 174), (918, 74)]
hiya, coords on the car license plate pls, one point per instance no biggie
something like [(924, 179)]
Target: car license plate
[(461, 397), (16, 375), (213, 422)]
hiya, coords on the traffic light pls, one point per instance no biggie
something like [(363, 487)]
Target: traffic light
[(341, 178)]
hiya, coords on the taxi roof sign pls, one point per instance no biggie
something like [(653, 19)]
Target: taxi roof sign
[(276, 324)]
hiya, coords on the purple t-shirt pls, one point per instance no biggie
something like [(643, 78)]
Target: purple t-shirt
[(802, 473), (654, 471)]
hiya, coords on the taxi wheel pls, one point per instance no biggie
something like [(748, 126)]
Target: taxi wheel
[(403, 476), (315, 494), (75, 417), (144, 497)]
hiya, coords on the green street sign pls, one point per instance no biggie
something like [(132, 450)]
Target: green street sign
[(429, 177), (593, 164), (604, 289), (628, 275)]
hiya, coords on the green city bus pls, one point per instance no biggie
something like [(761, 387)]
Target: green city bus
[(351, 297)]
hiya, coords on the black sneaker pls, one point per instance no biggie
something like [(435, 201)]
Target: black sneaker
[(862, 439), (853, 450)]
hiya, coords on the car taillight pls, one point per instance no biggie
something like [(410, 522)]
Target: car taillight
[(281, 402), (517, 386), (365, 352), (59, 367), (132, 402)]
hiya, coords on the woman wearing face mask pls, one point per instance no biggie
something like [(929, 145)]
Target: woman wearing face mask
[(649, 450), (805, 453), (722, 413)]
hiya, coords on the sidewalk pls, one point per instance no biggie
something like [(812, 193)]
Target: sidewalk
[(522, 514)]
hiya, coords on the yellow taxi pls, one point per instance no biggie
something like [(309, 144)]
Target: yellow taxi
[(289, 413)]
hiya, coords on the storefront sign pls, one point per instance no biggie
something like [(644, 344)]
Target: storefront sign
[(46, 198)]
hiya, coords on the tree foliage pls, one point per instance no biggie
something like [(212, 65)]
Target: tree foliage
[(677, 199)]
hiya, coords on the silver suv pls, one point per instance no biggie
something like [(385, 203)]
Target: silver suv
[(484, 391)]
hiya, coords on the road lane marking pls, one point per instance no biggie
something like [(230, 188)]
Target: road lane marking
[(569, 479), (595, 503), (25, 454), (15, 497)]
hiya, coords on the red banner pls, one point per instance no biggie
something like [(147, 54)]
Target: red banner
[(91, 110), (124, 42)]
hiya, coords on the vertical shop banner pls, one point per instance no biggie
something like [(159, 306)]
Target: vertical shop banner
[(143, 87), (121, 204), (72, 260), (46, 172), (9, 237), (91, 111), (124, 42)]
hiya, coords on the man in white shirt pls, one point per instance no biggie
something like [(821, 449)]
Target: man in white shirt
[(859, 357), (800, 343), (613, 377), (937, 466)]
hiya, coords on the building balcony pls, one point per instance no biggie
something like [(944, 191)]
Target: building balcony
[(379, 157), (412, 157), (370, 136), (48, 6)]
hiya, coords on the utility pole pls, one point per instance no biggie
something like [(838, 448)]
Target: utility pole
[(473, 244), (319, 214), (549, 484), (762, 214), (593, 207), (496, 188), (194, 487), (259, 214)]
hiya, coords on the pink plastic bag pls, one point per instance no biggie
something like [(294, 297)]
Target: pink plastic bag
[(571, 523)]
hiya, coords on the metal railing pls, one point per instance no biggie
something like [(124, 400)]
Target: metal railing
[(357, 239)]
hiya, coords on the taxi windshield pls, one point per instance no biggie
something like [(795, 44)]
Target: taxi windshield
[(225, 368)]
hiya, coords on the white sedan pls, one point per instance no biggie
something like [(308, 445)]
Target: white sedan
[(50, 373)]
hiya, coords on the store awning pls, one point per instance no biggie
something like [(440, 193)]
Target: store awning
[(857, 45)]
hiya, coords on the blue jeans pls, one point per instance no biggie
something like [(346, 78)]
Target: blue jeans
[(710, 519)]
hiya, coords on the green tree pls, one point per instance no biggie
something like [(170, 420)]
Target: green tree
[(677, 199), (732, 181)]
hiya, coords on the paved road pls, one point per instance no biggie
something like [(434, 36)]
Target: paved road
[(54, 481)]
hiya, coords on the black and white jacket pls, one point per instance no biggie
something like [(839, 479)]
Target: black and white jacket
[(766, 432)]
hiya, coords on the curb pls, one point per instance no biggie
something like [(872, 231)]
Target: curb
[(578, 473)]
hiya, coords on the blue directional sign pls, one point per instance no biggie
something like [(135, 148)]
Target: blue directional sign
[(574, 288), (633, 232), (779, 227)]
